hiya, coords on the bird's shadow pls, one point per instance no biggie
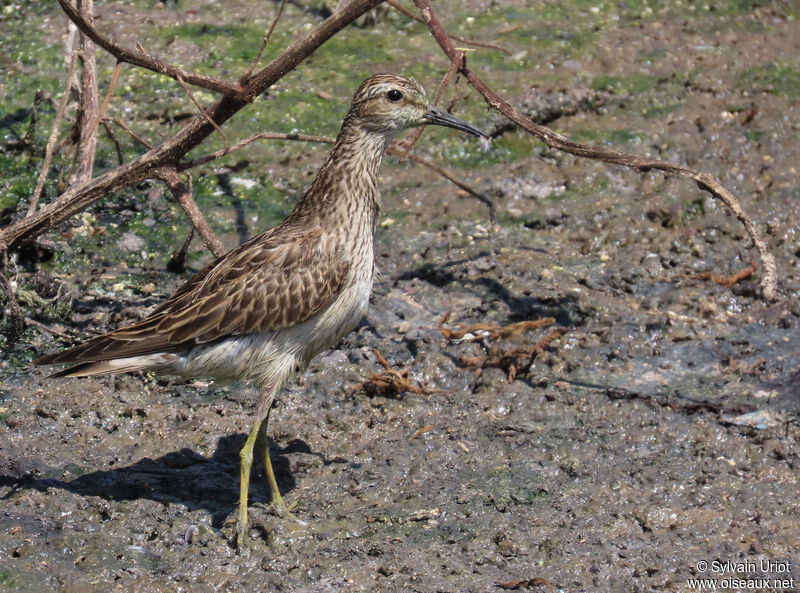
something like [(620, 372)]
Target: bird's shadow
[(183, 477)]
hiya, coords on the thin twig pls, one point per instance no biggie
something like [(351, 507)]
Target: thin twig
[(527, 583), (15, 315), (203, 111), (114, 141), (129, 131), (249, 140), (51, 142), (264, 43), (421, 431), (491, 331), (169, 175), (86, 147), (449, 176), (391, 382), (705, 181), (455, 66), (107, 98), (143, 60), (177, 263), (730, 280), (50, 330), (39, 97), (392, 150), (416, 133), (514, 361)]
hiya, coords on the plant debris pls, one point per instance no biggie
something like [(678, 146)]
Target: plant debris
[(391, 382), (730, 280), (491, 331), (421, 431), (514, 361)]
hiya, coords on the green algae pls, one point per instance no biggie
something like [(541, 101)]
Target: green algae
[(780, 78)]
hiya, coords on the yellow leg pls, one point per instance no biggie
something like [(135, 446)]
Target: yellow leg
[(246, 457), (275, 494)]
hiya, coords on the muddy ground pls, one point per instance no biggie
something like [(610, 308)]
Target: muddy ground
[(658, 433)]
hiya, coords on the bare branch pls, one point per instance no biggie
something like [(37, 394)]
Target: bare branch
[(107, 98), (202, 111), (143, 60), (704, 181), (78, 197), (89, 104), (183, 194), (130, 132), (51, 142), (264, 43)]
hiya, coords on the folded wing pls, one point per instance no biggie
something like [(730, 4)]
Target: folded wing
[(268, 283)]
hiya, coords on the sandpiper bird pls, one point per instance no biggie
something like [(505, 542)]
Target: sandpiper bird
[(262, 311)]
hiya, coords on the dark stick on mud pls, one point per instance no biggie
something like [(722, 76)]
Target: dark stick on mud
[(527, 583)]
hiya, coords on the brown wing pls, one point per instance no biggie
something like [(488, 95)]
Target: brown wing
[(270, 282)]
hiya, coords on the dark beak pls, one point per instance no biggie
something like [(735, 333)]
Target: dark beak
[(434, 115)]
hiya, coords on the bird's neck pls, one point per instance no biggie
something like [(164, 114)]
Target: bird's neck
[(344, 193)]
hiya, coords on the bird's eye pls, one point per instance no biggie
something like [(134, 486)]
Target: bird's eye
[(394, 95)]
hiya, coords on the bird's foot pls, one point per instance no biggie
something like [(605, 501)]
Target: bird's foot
[(241, 541), (285, 511), (240, 532)]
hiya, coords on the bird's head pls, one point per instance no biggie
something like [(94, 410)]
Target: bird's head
[(387, 103)]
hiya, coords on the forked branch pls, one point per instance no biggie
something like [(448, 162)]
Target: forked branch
[(704, 181), (169, 153)]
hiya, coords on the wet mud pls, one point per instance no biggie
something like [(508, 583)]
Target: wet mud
[(657, 433)]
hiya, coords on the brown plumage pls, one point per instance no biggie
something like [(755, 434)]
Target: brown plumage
[(262, 311), (276, 280)]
